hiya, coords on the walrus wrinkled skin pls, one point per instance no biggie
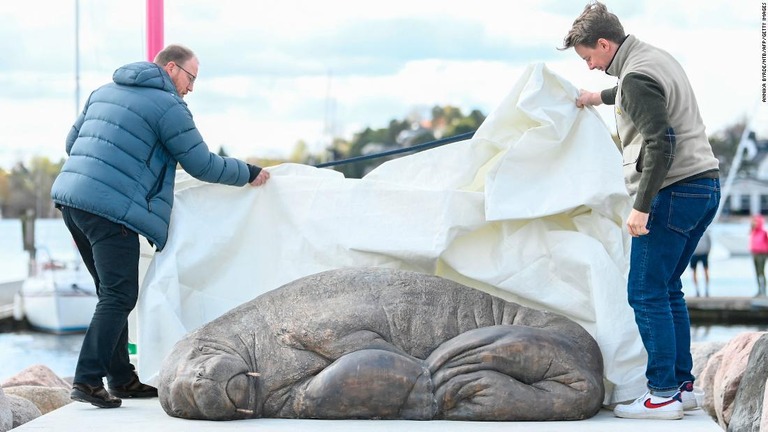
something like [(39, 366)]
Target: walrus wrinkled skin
[(376, 343)]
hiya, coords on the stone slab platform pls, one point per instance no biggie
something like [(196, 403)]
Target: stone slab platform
[(146, 415)]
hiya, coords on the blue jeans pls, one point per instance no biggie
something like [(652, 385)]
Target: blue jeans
[(679, 215), (110, 251)]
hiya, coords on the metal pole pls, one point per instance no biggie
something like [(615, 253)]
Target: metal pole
[(418, 147)]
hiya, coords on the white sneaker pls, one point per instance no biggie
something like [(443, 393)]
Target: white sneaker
[(649, 406), (688, 396)]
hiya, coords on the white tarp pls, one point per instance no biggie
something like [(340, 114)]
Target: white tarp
[(530, 209)]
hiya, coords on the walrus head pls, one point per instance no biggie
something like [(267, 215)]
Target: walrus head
[(205, 379)]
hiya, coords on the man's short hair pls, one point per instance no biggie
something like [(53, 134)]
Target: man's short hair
[(595, 22), (173, 53)]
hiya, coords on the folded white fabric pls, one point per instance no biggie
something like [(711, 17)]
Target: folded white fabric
[(530, 209)]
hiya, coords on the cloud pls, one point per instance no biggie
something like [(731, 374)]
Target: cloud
[(275, 72)]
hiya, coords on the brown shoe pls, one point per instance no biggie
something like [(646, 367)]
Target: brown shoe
[(133, 389), (96, 396)]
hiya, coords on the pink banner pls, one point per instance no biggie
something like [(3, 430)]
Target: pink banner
[(154, 28)]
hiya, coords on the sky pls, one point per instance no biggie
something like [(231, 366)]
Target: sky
[(273, 73)]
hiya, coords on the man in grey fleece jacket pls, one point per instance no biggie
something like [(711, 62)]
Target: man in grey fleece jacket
[(673, 176)]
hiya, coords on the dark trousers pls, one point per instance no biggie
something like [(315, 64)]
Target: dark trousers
[(111, 254)]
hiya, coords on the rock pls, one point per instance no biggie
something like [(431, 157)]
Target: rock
[(701, 353), (748, 403), (36, 375), (46, 399), (707, 383), (720, 379), (23, 410), (6, 415), (764, 416)]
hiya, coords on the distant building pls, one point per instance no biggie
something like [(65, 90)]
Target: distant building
[(749, 195)]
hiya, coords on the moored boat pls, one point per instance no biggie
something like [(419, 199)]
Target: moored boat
[(58, 298)]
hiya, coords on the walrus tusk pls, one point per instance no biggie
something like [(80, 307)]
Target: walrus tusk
[(245, 411), (253, 374)]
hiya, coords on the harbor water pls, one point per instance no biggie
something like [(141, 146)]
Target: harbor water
[(731, 274)]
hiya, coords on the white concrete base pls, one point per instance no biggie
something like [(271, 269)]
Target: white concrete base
[(146, 415)]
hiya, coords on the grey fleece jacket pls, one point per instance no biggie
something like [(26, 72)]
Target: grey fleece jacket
[(660, 128)]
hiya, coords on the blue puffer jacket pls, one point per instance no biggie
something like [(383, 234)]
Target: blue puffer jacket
[(124, 147)]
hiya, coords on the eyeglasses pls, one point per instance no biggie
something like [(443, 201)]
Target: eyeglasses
[(192, 77)]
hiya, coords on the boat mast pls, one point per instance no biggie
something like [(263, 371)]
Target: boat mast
[(743, 147), (77, 58), (154, 28)]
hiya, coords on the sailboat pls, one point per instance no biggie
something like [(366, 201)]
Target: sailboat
[(58, 297)]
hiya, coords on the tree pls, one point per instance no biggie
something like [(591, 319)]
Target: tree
[(370, 139), (30, 188), (411, 131), (300, 153), (22, 194)]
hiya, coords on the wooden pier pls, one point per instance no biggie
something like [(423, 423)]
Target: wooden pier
[(728, 310)]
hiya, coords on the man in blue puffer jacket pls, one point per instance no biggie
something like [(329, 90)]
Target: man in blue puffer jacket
[(118, 183)]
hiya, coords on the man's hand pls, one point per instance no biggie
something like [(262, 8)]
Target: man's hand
[(261, 178), (636, 223), (587, 98)]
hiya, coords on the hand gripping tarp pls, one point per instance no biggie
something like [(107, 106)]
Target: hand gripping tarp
[(530, 209)]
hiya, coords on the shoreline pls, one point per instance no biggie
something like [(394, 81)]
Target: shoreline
[(703, 311)]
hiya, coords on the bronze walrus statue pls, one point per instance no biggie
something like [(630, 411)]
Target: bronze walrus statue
[(374, 343)]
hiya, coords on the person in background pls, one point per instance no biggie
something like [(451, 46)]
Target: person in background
[(758, 246), (673, 176), (701, 255), (117, 184)]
